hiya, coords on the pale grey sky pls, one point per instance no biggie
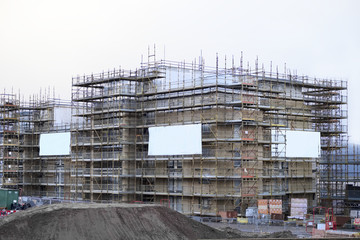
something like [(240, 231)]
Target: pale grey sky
[(43, 43)]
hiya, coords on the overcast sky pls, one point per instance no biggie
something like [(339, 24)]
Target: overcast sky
[(43, 43)]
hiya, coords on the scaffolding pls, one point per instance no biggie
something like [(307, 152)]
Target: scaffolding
[(44, 175), (350, 198), (11, 174), (22, 167), (242, 112)]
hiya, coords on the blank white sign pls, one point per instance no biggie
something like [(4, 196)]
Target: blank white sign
[(55, 144), (297, 144), (175, 140), (303, 144)]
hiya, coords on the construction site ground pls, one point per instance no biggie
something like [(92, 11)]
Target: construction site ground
[(130, 221), (266, 231), (116, 221), (261, 229)]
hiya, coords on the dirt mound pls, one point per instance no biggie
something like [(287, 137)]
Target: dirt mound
[(104, 221)]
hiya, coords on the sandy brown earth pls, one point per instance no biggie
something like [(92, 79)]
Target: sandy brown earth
[(106, 221)]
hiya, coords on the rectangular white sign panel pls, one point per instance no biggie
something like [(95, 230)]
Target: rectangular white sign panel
[(55, 144), (175, 140), (300, 144), (303, 144)]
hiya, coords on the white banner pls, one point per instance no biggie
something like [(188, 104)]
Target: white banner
[(175, 140), (55, 144), (303, 144)]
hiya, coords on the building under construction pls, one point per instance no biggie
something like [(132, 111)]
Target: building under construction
[(200, 139), (24, 164)]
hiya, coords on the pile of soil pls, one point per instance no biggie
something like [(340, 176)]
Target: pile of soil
[(103, 221), (111, 221)]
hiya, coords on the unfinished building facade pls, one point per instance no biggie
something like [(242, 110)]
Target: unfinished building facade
[(46, 173), (24, 164), (262, 135), (196, 138), (10, 161)]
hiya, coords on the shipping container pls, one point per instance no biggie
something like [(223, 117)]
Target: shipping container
[(7, 197)]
